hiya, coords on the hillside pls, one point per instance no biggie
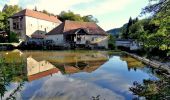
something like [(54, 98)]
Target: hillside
[(114, 31)]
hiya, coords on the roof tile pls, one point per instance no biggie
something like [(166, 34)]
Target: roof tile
[(38, 15), (67, 26)]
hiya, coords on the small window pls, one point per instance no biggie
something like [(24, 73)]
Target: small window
[(45, 30)]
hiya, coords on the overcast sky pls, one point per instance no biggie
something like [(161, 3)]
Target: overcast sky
[(110, 13)]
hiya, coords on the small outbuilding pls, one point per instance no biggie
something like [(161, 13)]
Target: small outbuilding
[(128, 43)]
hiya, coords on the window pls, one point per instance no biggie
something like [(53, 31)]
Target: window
[(17, 23), (45, 30)]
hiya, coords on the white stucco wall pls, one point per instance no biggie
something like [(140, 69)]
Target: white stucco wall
[(32, 25), (35, 67), (123, 43), (57, 39), (102, 43), (38, 26)]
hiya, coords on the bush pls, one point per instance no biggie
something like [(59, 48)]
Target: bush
[(13, 37)]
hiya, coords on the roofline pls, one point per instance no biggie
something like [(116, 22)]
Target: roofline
[(86, 34), (35, 17), (104, 33)]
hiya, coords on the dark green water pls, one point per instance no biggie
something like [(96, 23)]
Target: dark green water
[(69, 75)]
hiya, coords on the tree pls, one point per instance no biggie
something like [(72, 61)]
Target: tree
[(159, 37), (111, 42), (8, 73), (125, 31), (48, 13), (13, 37), (157, 6), (7, 11), (10, 10), (69, 16), (2, 25), (76, 17), (89, 18)]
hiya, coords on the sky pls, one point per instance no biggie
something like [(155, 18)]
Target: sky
[(110, 13)]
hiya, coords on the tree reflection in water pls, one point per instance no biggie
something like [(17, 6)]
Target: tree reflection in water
[(152, 89), (10, 73)]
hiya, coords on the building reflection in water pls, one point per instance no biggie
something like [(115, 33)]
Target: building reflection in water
[(30, 66), (39, 68)]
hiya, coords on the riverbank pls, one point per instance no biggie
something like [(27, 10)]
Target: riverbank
[(155, 64)]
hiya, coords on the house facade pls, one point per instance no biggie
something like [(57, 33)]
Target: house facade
[(128, 43), (81, 34), (30, 24)]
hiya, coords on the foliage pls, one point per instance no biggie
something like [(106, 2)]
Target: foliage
[(111, 42), (48, 13), (2, 17), (7, 11), (126, 28), (10, 10), (152, 89), (8, 72), (89, 18), (76, 17), (13, 37), (153, 32), (156, 6)]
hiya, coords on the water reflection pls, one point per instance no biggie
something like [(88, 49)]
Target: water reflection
[(69, 75), (33, 66), (38, 69), (132, 63)]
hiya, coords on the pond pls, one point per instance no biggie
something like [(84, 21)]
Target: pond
[(70, 75)]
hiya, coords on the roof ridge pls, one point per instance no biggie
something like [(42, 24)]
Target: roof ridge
[(68, 26), (38, 15)]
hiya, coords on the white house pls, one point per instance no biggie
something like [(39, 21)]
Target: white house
[(38, 69), (32, 24), (74, 33), (127, 43)]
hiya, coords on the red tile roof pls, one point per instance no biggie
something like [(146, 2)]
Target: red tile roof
[(69, 26), (42, 74), (38, 15), (38, 36)]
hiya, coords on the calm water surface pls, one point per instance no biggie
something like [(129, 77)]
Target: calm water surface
[(69, 75)]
